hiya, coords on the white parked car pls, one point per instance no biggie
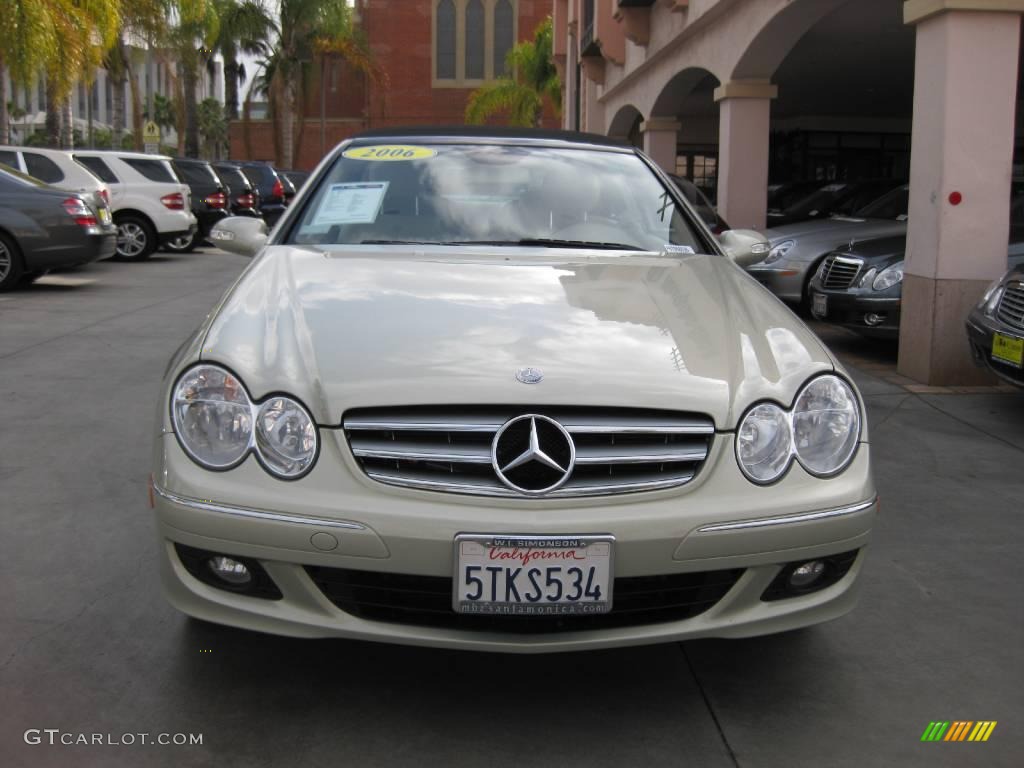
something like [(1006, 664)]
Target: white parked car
[(57, 168), (150, 204)]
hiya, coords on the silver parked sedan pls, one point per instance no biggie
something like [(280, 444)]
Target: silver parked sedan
[(505, 391), (796, 250)]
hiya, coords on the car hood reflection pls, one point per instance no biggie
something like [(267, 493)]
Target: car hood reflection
[(400, 326)]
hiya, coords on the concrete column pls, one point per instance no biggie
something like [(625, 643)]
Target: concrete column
[(743, 115), (965, 91), (100, 115), (661, 136)]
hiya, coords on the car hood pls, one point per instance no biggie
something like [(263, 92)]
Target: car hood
[(359, 327), (812, 239), (835, 226)]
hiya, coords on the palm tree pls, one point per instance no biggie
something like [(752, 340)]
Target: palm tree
[(245, 27), (196, 28), (309, 28), (530, 77), (144, 20), (82, 32), (27, 42), (213, 126)]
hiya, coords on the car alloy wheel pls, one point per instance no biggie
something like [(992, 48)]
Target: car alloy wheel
[(10, 264), (6, 262), (132, 240), (181, 244)]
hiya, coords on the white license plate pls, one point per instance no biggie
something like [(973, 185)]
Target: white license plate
[(820, 305), (532, 575)]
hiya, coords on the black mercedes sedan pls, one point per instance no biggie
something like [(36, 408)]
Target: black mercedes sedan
[(44, 228), (860, 286), (995, 327)]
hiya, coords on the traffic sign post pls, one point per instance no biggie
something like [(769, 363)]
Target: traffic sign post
[(151, 138)]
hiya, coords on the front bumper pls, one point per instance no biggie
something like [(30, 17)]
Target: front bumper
[(166, 237), (851, 309), (337, 518), (91, 248), (979, 335)]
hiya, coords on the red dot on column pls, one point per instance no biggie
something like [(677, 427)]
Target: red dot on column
[(955, 198)]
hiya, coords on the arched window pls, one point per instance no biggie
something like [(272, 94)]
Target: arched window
[(445, 42), (475, 40), (504, 23)]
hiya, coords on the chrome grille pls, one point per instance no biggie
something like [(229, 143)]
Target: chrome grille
[(1011, 306), (839, 272), (618, 450)]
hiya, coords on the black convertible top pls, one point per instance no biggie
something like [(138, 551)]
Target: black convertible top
[(491, 133)]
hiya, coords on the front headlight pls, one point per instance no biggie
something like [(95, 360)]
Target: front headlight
[(888, 277), (217, 424), (778, 251), (990, 299), (285, 437), (764, 443), (821, 432), (212, 417), (826, 425), (868, 278)]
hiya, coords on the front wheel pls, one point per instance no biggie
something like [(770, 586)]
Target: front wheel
[(10, 264), (135, 238)]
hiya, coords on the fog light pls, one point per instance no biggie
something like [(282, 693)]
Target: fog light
[(231, 571), (806, 574), (805, 577), (872, 318)]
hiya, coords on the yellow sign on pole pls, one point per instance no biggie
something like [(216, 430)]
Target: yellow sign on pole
[(151, 132)]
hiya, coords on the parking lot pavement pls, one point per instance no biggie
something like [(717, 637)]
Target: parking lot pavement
[(89, 646)]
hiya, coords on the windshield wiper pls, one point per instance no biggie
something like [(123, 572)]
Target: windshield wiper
[(400, 242), (551, 242)]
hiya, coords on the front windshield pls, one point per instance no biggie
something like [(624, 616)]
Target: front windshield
[(822, 199), (892, 205), (488, 194)]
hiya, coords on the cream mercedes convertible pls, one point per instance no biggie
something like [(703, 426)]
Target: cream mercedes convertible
[(504, 391)]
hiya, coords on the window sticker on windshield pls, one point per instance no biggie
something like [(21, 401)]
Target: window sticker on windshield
[(390, 152), (669, 248), (356, 203)]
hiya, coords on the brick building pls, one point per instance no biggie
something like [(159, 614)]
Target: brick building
[(435, 53)]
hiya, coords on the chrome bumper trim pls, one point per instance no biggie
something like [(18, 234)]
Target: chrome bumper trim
[(211, 506), (804, 517)]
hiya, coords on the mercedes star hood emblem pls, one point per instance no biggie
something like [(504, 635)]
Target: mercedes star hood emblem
[(533, 454)]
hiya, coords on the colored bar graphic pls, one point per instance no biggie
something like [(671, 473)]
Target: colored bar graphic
[(958, 730)]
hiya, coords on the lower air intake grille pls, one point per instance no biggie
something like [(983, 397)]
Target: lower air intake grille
[(617, 450), (426, 601)]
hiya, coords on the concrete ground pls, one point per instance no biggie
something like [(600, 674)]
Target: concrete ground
[(88, 645)]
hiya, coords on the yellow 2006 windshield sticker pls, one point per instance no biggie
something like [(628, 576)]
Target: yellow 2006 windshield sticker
[(390, 152)]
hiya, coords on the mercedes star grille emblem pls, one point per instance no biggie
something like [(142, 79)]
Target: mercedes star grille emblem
[(533, 454), (529, 375)]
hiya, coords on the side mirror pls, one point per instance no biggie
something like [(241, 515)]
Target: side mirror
[(243, 235), (744, 246)]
